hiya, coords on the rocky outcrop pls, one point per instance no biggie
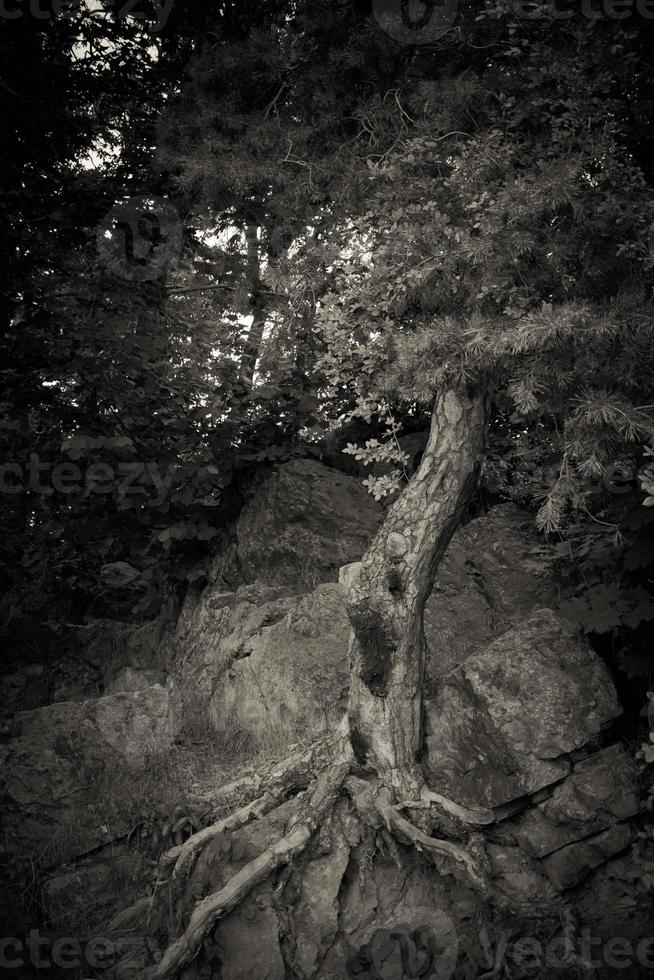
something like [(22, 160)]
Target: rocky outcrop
[(507, 721), (495, 571), (302, 524), (287, 669), (264, 653), (518, 727), (600, 792), (58, 767), (260, 658)]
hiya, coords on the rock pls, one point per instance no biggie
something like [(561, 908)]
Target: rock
[(128, 680), (58, 770), (601, 791), (501, 726), (272, 667), (303, 523), (607, 903), (229, 647), (494, 573), (94, 887), (570, 865), (215, 627), (110, 644), (520, 880)]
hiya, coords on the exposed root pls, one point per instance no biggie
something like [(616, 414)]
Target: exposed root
[(368, 801), (185, 854), (317, 775), (473, 816), (284, 778), (323, 794), (408, 830), (298, 768), (126, 917)]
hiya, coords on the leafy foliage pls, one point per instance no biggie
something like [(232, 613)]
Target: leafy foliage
[(363, 224)]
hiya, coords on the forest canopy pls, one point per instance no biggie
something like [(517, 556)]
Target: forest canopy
[(242, 232)]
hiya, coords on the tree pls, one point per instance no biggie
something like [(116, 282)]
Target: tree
[(475, 233)]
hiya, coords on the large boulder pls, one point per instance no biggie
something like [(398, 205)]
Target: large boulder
[(495, 571), (265, 662), (214, 627), (264, 653), (517, 728), (59, 770), (293, 672), (506, 722), (302, 523)]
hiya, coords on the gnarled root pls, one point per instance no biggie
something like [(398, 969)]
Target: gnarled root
[(281, 780), (322, 796), (367, 801), (472, 816), (316, 778)]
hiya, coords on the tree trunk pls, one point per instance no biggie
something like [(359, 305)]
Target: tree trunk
[(257, 305), (387, 592)]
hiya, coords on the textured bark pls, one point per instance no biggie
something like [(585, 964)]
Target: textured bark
[(385, 598), (387, 593), (321, 797)]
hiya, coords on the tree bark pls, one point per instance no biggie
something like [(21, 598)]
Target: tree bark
[(387, 591)]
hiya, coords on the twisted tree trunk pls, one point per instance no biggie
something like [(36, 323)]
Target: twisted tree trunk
[(373, 756), (387, 592)]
